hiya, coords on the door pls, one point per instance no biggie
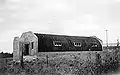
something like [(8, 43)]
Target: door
[(26, 49)]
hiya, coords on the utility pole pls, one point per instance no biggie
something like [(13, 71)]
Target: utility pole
[(106, 38)]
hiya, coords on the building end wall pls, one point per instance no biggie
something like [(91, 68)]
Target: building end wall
[(29, 38), (16, 49)]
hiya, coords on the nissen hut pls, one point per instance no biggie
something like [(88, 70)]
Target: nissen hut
[(32, 43)]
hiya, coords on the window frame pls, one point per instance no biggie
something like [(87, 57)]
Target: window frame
[(95, 45), (55, 43), (77, 44)]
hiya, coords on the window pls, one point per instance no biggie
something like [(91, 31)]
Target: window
[(94, 45), (57, 43), (32, 44), (78, 44)]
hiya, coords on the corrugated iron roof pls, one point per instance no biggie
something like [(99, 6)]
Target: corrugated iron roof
[(66, 37)]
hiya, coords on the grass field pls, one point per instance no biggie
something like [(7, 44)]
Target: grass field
[(68, 63)]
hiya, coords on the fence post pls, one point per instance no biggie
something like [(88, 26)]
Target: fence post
[(21, 55), (21, 61), (47, 59)]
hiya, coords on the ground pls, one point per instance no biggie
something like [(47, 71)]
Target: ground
[(66, 64)]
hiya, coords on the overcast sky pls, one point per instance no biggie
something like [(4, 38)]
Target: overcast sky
[(70, 17)]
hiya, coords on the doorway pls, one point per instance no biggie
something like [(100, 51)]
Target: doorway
[(26, 49)]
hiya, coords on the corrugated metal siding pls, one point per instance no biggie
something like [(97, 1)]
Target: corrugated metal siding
[(45, 42)]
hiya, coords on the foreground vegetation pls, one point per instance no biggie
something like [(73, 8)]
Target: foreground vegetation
[(70, 64), (5, 55)]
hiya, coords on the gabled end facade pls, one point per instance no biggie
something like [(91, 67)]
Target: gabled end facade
[(27, 44)]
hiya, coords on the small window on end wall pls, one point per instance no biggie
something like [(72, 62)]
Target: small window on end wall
[(32, 44), (77, 44), (57, 43)]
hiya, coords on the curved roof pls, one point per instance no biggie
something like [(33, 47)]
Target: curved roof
[(66, 37)]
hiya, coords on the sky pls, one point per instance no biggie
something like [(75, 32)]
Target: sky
[(68, 17)]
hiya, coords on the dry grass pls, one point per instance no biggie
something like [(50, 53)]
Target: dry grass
[(67, 64)]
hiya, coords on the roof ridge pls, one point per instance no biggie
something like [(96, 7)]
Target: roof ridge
[(59, 35)]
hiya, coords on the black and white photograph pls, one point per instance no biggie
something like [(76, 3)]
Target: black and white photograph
[(59, 37)]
